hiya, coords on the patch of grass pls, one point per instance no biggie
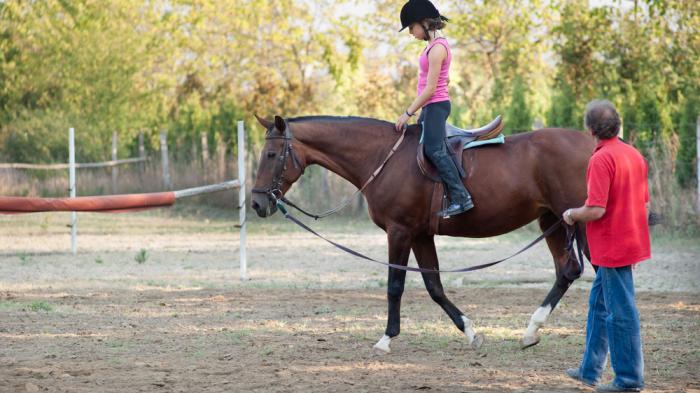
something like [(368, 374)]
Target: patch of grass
[(341, 312), (40, 305), (203, 284), (115, 344), (363, 336), (45, 223), (23, 258), (115, 361), (141, 257), (157, 283), (9, 306), (99, 260), (322, 310), (237, 336)]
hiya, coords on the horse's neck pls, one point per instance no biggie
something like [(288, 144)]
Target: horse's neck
[(350, 151)]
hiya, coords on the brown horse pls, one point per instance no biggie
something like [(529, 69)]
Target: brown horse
[(534, 175)]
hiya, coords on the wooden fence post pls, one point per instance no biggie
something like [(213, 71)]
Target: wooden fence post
[(142, 157), (241, 200), (221, 155), (621, 134), (142, 148), (205, 149), (204, 142), (164, 159), (115, 168)]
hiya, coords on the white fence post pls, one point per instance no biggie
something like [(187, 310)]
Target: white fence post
[(71, 179), (241, 199), (205, 148), (142, 157), (164, 160), (537, 124), (621, 134), (115, 169), (142, 148)]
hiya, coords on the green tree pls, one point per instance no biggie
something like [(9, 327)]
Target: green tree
[(518, 117), (579, 40), (686, 164)]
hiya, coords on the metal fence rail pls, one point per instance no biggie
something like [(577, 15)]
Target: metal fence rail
[(105, 164)]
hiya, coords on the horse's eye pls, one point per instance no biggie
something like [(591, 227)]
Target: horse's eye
[(271, 154)]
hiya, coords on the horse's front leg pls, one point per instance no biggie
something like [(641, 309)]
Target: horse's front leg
[(567, 269), (426, 255), (399, 251)]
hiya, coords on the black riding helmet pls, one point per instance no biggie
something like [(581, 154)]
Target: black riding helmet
[(417, 10)]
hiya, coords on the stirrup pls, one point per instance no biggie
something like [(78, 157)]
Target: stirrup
[(456, 208)]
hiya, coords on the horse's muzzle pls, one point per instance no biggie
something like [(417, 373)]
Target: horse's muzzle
[(263, 205)]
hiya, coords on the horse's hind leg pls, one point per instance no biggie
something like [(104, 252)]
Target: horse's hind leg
[(567, 270), (399, 251), (426, 256)]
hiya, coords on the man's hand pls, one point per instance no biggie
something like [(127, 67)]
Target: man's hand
[(583, 214), (567, 217)]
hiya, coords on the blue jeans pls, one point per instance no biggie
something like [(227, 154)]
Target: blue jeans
[(613, 323)]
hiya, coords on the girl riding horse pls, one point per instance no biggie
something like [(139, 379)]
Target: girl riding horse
[(424, 22)]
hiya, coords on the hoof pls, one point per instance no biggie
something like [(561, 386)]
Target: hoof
[(382, 346), (528, 342), (381, 351), (477, 342)]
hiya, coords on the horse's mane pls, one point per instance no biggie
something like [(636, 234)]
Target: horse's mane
[(336, 119), (375, 127)]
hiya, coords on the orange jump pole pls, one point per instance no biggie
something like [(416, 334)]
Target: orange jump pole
[(107, 203)]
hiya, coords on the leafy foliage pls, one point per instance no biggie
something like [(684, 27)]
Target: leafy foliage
[(194, 67)]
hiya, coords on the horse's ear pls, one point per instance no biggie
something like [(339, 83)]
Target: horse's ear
[(280, 124), (265, 123)]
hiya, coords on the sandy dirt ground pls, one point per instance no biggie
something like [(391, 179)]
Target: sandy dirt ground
[(153, 303)]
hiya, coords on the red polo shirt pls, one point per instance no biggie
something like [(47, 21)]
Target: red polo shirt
[(617, 181)]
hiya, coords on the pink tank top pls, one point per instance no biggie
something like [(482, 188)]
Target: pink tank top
[(441, 93)]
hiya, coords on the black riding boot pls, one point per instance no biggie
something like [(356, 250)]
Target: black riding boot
[(460, 200)]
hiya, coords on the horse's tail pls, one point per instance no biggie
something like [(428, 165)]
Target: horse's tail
[(655, 218)]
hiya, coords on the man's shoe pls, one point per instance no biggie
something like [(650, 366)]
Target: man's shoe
[(611, 387), (456, 208), (575, 373)]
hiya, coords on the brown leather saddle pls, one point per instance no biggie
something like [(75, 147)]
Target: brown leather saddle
[(457, 140)]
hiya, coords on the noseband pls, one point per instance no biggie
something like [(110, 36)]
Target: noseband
[(274, 191)]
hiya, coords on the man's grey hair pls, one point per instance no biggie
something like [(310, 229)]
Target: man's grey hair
[(602, 119)]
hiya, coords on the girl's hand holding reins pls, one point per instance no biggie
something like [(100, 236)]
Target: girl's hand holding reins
[(401, 123)]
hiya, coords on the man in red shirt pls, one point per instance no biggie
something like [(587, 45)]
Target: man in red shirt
[(615, 214)]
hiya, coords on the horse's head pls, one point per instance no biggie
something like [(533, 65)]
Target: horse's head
[(280, 166)]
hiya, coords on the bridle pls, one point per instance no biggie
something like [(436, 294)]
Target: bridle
[(274, 191)]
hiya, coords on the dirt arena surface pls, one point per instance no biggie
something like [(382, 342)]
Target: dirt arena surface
[(153, 303)]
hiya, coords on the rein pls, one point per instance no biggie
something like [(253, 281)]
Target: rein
[(275, 192), (573, 236)]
